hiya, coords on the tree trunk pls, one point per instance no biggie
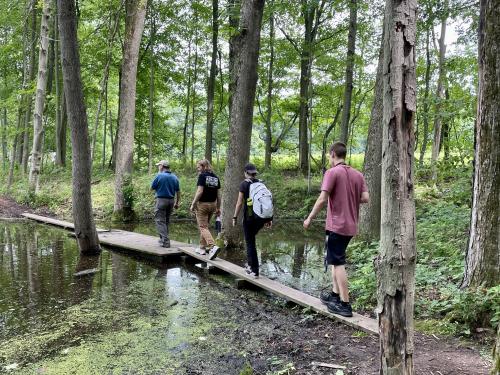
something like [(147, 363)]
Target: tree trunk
[(4, 140), (482, 261), (134, 26), (188, 104), (60, 143), (245, 48), (396, 260), (425, 111), (369, 218), (85, 231), (269, 134), (439, 95), (496, 355), (211, 82), (349, 71), (195, 79), (305, 78), (28, 99), (41, 86), (151, 100)]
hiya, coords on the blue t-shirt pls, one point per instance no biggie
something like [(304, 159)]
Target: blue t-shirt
[(166, 185)]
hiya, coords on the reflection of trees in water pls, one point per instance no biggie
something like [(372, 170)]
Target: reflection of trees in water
[(33, 264), (120, 278), (298, 259), (82, 285), (57, 272)]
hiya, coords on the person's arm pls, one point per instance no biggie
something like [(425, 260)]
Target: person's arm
[(320, 202), (237, 209), (197, 196), (365, 197), (154, 184)]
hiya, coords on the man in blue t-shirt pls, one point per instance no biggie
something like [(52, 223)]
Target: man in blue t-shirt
[(166, 185)]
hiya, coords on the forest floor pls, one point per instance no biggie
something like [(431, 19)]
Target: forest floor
[(279, 338)]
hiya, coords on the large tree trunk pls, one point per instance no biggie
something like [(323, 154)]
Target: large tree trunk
[(211, 82), (396, 261), (4, 140), (349, 71), (496, 355), (61, 116), (482, 261), (436, 144), (41, 86), (151, 98), (134, 26), (269, 112), (425, 114), (245, 48), (369, 220), (85, 231)]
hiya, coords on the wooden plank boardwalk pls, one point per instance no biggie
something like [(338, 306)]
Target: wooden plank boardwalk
[(149, 245)]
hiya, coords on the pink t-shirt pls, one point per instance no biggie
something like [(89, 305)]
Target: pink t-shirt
[(344, 185)]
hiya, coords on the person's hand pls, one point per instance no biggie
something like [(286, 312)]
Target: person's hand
[(234, 221), (191, 208), (307, 223), (269, 224), (217, 212), (176, 206)]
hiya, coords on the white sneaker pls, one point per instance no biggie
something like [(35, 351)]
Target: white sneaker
[(250, 273), (212, 254), (200, 251)]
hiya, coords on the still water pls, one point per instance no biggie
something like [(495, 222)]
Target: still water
[(129, 314)]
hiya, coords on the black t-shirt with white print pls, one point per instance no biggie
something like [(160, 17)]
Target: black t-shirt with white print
[(245, 189), (211, 184)]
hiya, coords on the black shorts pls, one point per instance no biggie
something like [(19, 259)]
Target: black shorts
[(335, 245)]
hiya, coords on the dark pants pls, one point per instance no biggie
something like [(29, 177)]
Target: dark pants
[(163, 209), (250, 228)]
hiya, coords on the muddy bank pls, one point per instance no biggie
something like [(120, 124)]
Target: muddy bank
[(10, 209)]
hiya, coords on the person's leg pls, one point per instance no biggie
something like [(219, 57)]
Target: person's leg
[(201, 220), (168, 211), (340, 278), (335, 287), (160, 219), (250, 232), (206, 211)]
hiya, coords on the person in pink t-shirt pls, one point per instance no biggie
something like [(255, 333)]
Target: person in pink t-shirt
[(344, 189)]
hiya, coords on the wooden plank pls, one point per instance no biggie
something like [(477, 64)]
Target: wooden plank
[(118, 238), (149, 245), (357, 321)]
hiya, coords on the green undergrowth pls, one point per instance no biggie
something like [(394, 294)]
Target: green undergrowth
[(441, 307)]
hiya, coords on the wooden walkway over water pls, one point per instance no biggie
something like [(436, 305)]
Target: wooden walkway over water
[(148, 245)]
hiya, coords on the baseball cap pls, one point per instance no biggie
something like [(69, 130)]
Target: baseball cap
[(164, 163), (250, 168)]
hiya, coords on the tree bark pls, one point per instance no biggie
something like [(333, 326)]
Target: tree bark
[(396, 260), (482, 261), (188, 104), (60, 132), (41, 86), (349, 71), (369, 218), (151, 98), (195, 79), (4, 140), (269, 112), (134, 26), (85, 231), (436, 144), (245, 48), (211, 82), (425, 136)]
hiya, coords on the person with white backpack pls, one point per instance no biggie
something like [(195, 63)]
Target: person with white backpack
[(257, 203)]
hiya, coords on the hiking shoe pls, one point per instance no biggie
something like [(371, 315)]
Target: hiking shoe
[(200, 251), (328, 296), (340, 308), (166, 244), (212, 254)]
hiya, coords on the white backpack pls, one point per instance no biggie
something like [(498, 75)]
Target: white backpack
[(262, 199)]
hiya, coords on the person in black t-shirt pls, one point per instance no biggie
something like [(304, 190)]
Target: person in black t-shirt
[(206, 203), (252, 223)]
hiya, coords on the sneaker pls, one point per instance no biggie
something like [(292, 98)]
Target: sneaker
[(340, 308), (250, 273), (200, 251), (166, 244), (212, 254), (328, 296)]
